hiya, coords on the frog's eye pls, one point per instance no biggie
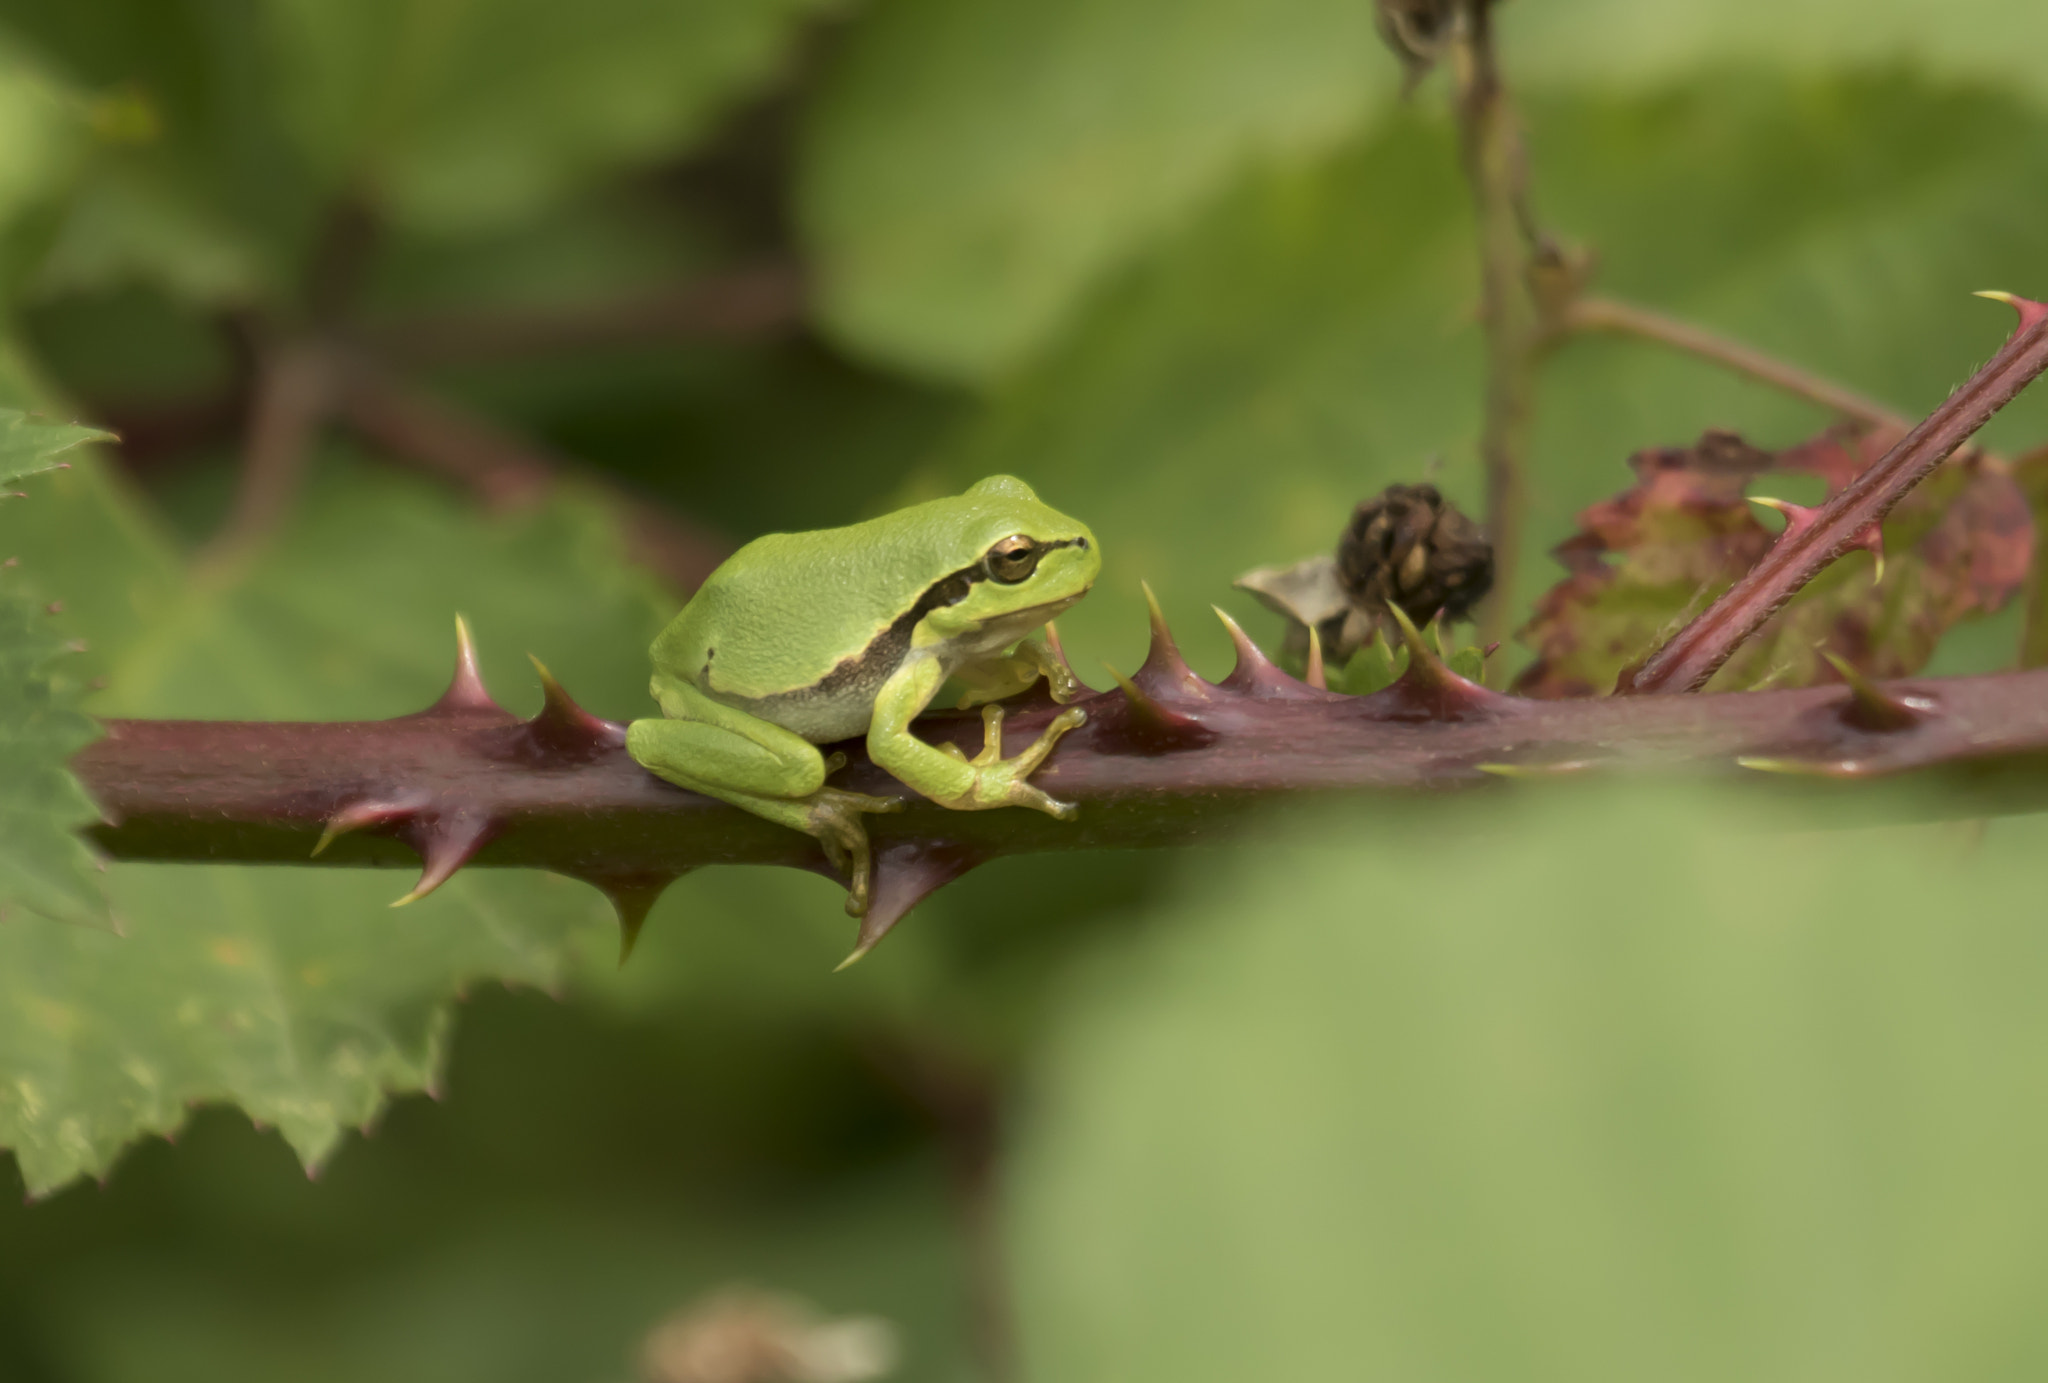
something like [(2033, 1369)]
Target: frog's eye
[(1013, 559)]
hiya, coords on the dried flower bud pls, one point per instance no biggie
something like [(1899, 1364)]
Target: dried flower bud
[(1411, 548)]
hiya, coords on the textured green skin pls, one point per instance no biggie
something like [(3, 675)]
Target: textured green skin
[(807, 638)]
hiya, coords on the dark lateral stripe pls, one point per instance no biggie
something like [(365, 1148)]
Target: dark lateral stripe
[(867, 671)]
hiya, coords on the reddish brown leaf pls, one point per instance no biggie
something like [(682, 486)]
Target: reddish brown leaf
[(1959, 545)]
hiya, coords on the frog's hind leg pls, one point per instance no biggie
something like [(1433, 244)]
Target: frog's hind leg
[(764, 769)]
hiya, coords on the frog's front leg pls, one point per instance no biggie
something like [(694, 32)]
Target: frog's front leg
[(709, 747), (1007, 675), (950, 778)]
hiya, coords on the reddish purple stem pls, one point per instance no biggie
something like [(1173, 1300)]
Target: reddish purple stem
[(1698, 650)]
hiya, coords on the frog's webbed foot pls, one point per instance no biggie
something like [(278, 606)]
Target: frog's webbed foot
[(1000, 782), (833, 815)]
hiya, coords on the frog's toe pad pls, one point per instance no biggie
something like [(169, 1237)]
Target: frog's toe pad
[(1025, 795)]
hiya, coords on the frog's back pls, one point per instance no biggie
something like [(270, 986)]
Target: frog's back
[(803, 628)]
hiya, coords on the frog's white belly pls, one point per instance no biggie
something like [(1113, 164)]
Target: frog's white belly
[(822, 718)]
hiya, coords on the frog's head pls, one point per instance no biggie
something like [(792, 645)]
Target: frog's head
[(1023, 555)]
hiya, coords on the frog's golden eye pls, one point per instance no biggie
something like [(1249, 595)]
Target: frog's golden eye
[(1013, 559)]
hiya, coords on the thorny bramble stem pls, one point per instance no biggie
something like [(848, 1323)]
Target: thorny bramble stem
[(1697, 651), (1168, 760)]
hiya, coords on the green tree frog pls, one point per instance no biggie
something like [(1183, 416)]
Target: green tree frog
[(803, 639)]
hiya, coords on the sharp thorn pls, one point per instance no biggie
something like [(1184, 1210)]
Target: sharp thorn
[(1560, 768), (632, 899), (1870, 707), (1314, 674), (563, 730), (445, 844), (1255, 673), (1428, 689), (1165, 672), (357, 815), (1798, 517), (1150, 728), (905, 874), (1423, 661), (1795, 767), (1248, 653), (466, 693), (2030, 311)]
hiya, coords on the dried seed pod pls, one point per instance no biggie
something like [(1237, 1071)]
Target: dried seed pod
[(1411, 548)]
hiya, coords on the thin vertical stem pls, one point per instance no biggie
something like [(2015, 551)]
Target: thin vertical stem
[(1491, 142)]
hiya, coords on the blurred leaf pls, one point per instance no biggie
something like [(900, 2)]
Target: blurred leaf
[(1960, 544), (1994, 43), (1681, 1094), (451, 116), (44, 866), (300, 995), (1306, 342), (43, 133), (972, 170), (127, 223), (498, 108)]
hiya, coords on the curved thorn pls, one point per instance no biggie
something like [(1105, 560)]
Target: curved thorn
[(2030, 311), (466, 692), (906, 873), (1314, 674), (1559, 768), (1423, 661), (1428, 689), (563, 729), (1870, 707), (445, 844), (368, 812), (1255, 673), (1164, 671), (1797, 768), (632, 899), (1151, 728), (1797, 516), (1248, 653)]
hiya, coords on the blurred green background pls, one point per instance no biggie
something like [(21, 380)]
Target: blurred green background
[(1629, 1084)]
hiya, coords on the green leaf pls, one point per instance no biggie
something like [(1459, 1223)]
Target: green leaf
[(300, 995), (1993, 43), (504, 106), (1664, 1090), (44, 866), (29, 448), (972, 170), (446, 117), (1308, 341)]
